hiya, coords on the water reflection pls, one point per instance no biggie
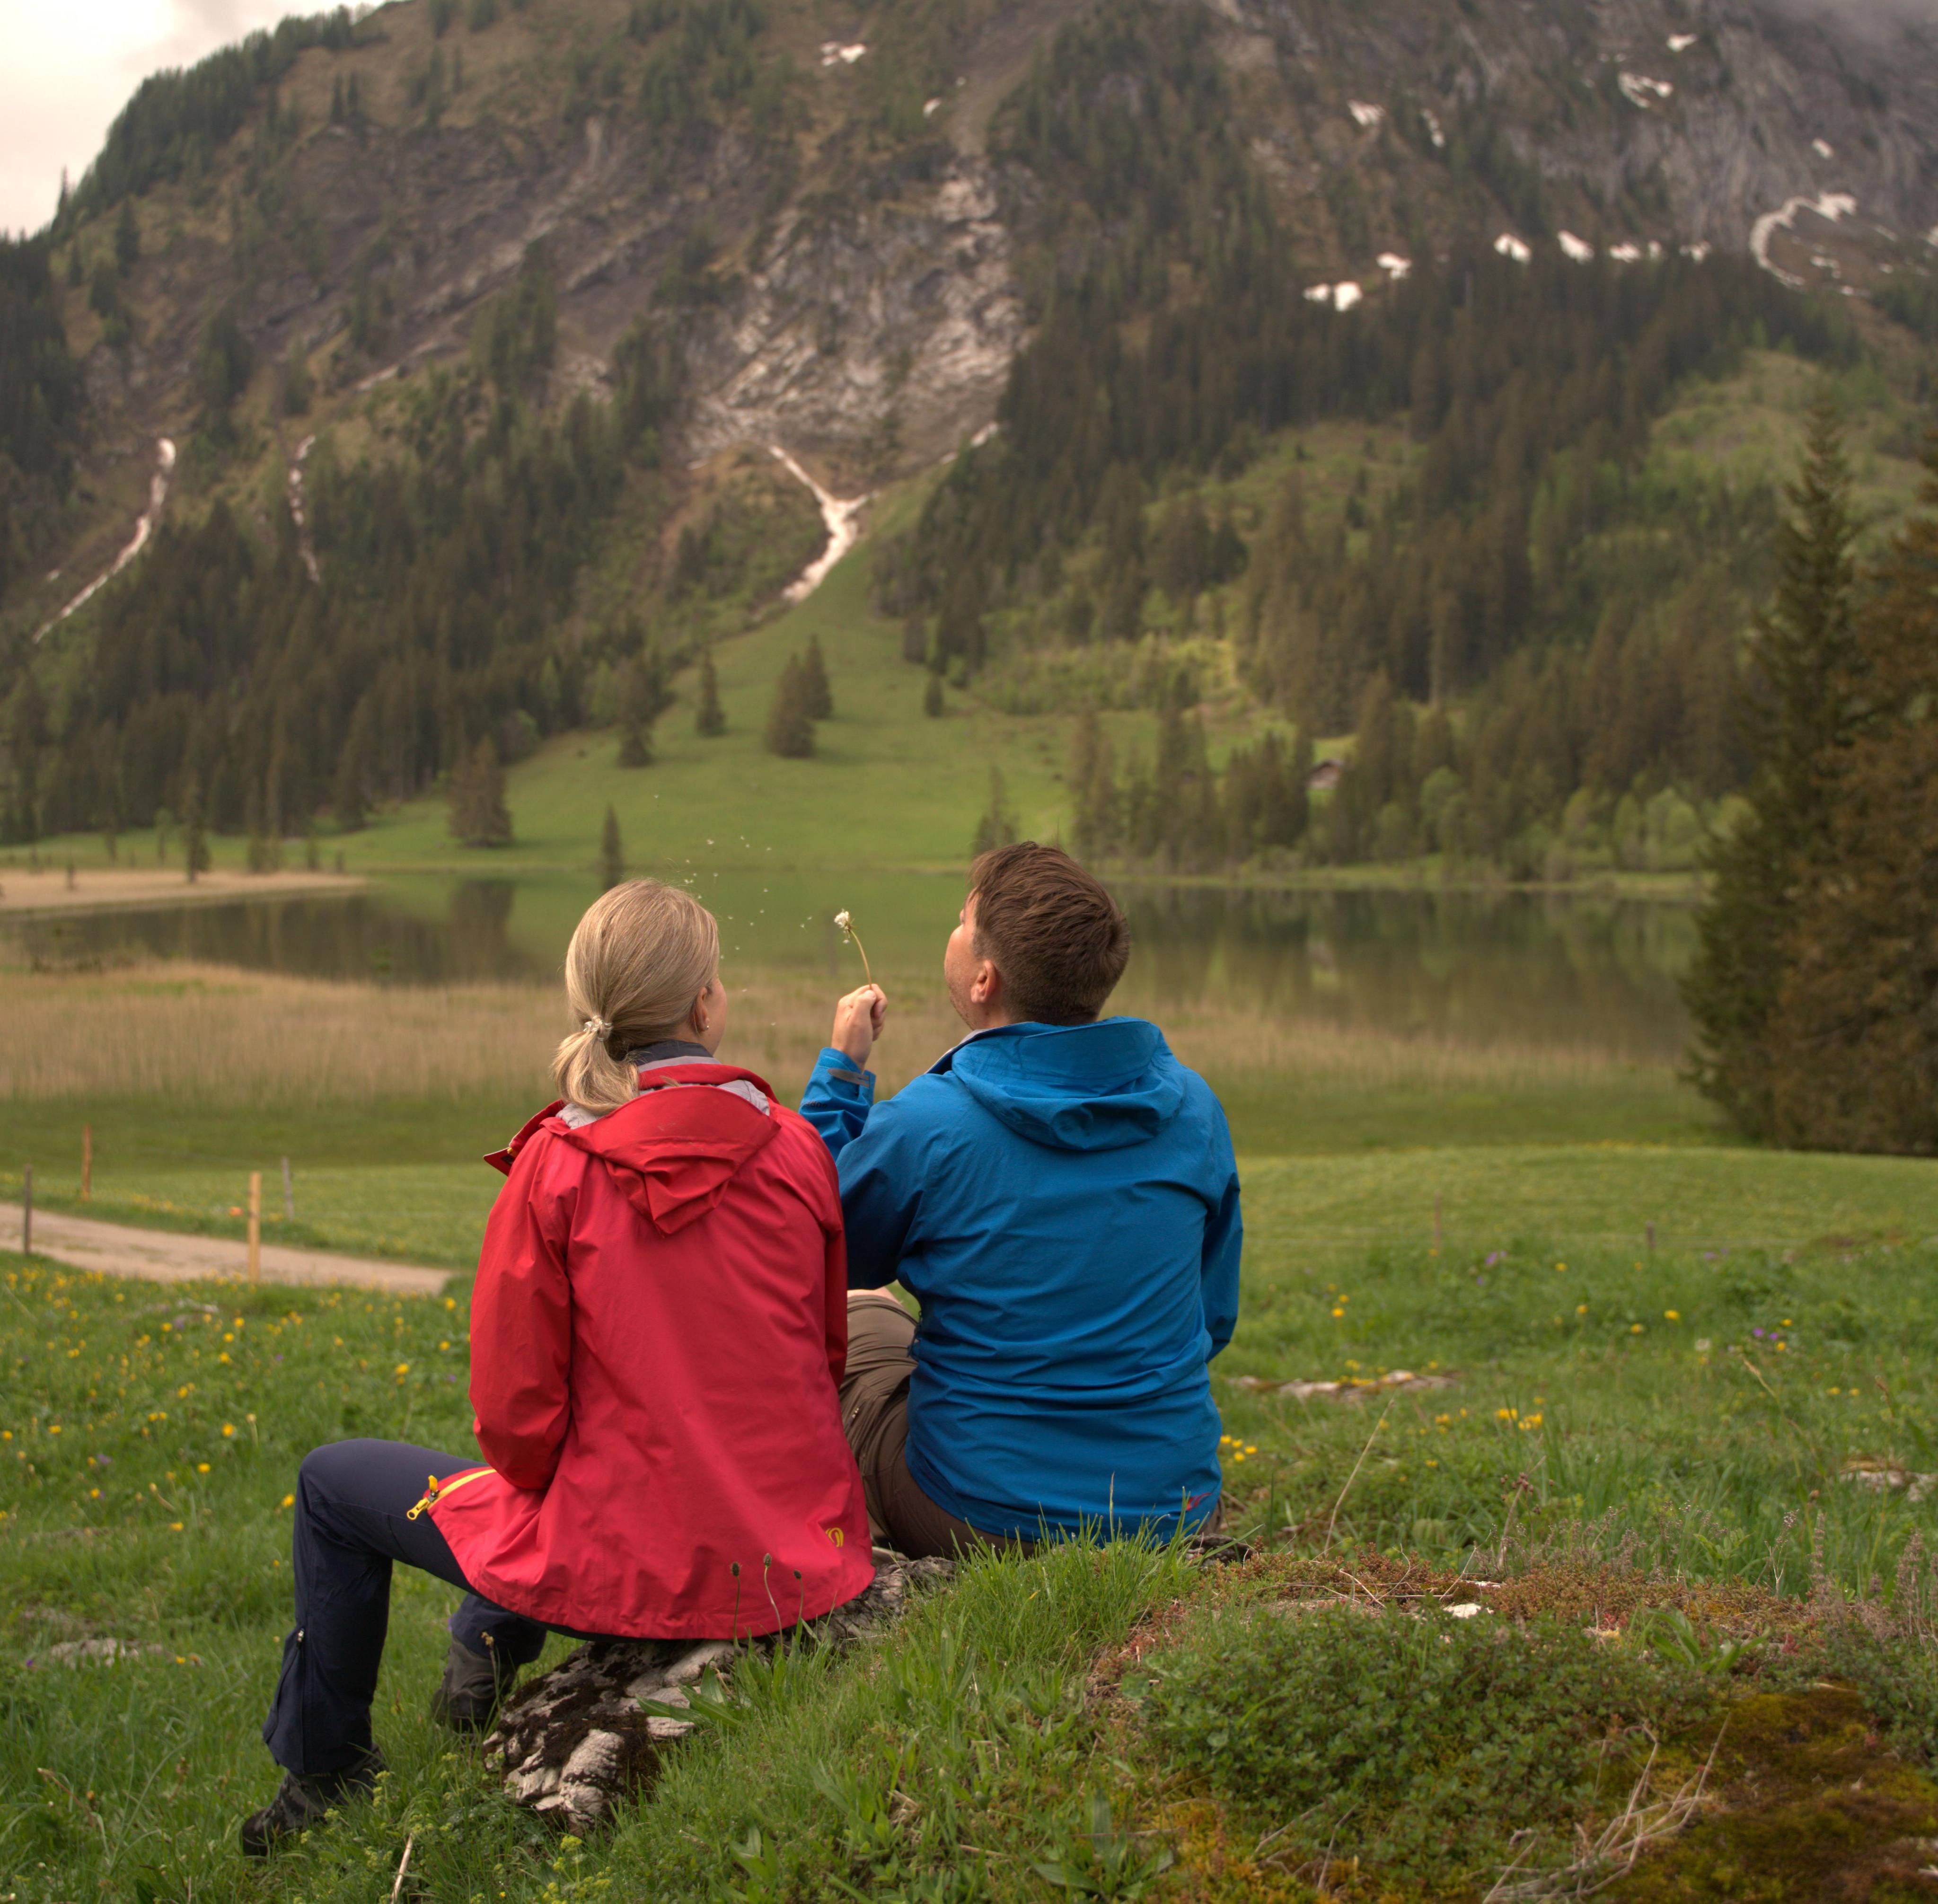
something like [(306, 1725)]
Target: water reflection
[(1482, 968), (362, 936)]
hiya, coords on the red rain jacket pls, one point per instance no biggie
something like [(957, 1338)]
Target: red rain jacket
[(658, 1330)]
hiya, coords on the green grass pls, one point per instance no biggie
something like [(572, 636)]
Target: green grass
[(1581, 1415)]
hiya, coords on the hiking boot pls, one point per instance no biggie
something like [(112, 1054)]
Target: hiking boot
[(467, 1697), (304, 1799)]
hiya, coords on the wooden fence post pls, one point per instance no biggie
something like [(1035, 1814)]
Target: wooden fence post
[(255, 1226), (87, 1163), (27, 1211), (289, 1194)]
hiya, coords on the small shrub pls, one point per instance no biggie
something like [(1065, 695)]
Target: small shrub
[(1420, 1746)]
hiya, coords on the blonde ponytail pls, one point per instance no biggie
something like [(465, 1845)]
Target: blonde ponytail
[(643, 953)]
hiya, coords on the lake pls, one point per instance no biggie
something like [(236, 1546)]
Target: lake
[(1560, 970)]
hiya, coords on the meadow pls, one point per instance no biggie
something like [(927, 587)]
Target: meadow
[(1697, 1428), (1744, 1404)]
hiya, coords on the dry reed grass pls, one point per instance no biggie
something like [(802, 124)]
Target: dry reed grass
[(208, 1033)]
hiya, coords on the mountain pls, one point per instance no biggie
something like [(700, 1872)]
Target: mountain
[(471, 329)]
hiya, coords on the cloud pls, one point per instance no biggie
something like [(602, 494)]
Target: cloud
[(69, 69)]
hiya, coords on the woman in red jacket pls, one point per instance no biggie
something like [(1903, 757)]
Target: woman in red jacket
[(658, 1332)]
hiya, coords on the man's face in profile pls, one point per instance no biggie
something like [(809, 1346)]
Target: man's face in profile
[(960, 964)]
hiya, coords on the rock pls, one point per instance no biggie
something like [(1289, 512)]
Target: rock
[(79, 1652), (578, 1739), (1402, 1381)]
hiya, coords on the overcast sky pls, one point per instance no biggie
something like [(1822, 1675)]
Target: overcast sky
[(69, 67)]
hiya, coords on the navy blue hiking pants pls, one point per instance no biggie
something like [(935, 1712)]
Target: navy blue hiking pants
[(352, 1501)]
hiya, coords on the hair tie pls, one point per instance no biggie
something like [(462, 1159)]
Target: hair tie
[(603, 1026)]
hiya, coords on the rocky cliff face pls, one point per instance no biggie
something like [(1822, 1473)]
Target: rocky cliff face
[(845, 252)]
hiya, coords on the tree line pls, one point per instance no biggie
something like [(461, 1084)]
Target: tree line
[(1529, 564), (224, 679), (42, 400)]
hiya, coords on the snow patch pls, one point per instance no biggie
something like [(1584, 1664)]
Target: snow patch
[(1366, 115), (1640, 90), (930, 107), (1341, 297), (844, 529), (1626, 254), (1579, 249), (305, 547), (1699, 251), (1434, 131), (834, 53), (1681, 42), (144, 524), (1508, 246), (1832, 207), (1823, 148), (1394, 265)]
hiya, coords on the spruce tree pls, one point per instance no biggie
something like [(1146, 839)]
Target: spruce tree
[(790, 726), (814, 674), (997, 826), (1851, 1050), (612, 853), (1096, 820), (479, 815), (1798, 711), (711, 718), (127, 237), (195, 837), (635, 698)]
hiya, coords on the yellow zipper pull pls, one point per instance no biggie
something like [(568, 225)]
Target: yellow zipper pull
[(430, 1495)]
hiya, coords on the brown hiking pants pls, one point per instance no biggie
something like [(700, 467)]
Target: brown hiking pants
[(874, 1411)]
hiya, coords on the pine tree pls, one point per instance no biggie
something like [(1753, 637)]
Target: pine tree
[(1798, 713), (1850, 1051), (127, 237), (1096, 822), (814, 671), (479, 815), (195, 837), (612, 853), (997, 826), (711, 718), (637, 712), (790, 726)]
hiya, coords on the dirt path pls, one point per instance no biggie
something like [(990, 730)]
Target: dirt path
[(168, 1256)]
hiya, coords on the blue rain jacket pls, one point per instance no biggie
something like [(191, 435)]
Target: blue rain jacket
[(1063, 1201)]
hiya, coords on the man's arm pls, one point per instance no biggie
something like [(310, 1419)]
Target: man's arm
[(1224, 1244), (882, 1172), (838, 1099), (842, 1091)]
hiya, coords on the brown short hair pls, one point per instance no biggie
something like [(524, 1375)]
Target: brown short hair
[(1051, 930)]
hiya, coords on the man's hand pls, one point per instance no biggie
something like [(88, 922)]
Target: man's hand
[(858, 1019)]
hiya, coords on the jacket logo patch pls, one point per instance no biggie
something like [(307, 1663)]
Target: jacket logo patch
[(837, 1536)]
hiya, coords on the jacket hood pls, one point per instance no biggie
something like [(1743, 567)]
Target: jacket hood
[(1104, 1086), (677, 1146)]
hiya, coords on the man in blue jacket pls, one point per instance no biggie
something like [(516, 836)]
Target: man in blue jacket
[(1059, 1195)]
